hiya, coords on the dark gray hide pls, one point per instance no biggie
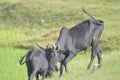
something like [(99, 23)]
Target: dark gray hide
[(78, 38), (40, 62)]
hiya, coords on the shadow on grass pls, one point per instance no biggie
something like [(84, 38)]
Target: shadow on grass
[(19, 46), (24, 47)]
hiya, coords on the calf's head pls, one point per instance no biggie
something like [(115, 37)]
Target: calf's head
[(50, 54)]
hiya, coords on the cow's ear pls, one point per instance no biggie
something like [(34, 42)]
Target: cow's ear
[(39, 46)]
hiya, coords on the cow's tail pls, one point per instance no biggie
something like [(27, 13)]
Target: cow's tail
[(88, 13), (21, 60), (91, 16)]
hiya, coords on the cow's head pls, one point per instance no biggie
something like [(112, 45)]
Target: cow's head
[(51, 55), (61, 42)]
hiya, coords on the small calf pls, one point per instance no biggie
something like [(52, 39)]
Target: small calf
[(40, 62)]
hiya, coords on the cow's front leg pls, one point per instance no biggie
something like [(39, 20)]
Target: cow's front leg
[(71, 55), (64, 63), (61, 68)]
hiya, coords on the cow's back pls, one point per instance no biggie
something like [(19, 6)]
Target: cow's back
[(82, 34), (80, 29)]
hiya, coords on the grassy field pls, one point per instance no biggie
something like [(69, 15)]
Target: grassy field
[(23, 22)]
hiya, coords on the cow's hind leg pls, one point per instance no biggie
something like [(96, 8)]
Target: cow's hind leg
[(93, 54), (99, 56)]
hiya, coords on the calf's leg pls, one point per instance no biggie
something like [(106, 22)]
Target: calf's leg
[(43, 74), (37, 76), (33, 75)]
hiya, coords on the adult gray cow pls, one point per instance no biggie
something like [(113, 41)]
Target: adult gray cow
[(41, 62), (79, 38)]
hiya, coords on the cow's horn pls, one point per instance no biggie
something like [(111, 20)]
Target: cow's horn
[(39, 46)]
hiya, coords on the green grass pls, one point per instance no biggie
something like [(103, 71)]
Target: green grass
[(10, 68), (110, 70), (23, 22)]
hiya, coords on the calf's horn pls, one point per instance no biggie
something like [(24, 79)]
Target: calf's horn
[(53, 46), (39, 46)]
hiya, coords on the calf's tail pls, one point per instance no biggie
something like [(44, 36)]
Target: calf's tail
[(21, 60)]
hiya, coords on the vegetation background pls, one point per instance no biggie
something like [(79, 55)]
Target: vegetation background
[(22, 22)]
